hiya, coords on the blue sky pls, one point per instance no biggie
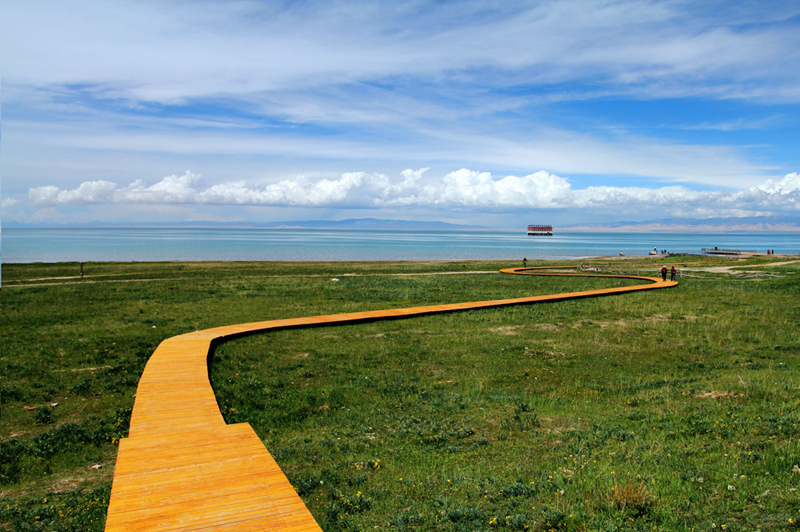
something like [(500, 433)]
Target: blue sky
[(467, 112)]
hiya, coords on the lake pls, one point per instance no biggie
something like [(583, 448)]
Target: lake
[(167, 244)]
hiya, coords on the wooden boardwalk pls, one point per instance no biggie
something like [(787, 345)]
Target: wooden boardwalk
[(183, 468)]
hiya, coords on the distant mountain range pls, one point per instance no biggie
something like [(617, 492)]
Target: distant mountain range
[(690, 225)]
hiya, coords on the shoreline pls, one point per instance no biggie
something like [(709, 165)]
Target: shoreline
[(410, 261)]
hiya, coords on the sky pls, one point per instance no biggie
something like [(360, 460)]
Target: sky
[(479, 112)]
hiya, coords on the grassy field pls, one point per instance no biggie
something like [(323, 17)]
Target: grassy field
[(665, 410)]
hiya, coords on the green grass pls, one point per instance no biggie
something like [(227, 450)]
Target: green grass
[(632, 412)]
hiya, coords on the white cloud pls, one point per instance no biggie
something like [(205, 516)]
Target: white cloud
[(8, 203), (87, 192), (464, 190), (783, 188)]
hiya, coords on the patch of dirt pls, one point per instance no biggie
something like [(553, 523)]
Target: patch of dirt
[(599, 323), (657, 318), (98, 282), (546, 326), (716, 394), (737, 270), (80, 369), (786, 263), (547, 355), (66, 484), (556, 426), (507, 329), (722, 269), (376, 335), (606, 324)]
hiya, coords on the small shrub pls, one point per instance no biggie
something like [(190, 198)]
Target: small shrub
[(10, 393), (406, 520), (356, 480), (555, 520), (11, 452), (523, 418), (460, 514), (84, 387), (305, 485), (517, 522), (633, 500), (43, 416), (373, 464), (517, 490)]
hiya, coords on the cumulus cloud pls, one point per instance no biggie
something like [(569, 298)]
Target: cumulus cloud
[(464, 190), (784, 188), (8, 203)]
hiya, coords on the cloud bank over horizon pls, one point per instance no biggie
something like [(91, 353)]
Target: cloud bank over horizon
[(462, 190)]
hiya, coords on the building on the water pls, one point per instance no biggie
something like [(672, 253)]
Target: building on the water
[(540, 230)]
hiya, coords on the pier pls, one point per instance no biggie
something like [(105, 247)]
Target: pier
[(728, 252)]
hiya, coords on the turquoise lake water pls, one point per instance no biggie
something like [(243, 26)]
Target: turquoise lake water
[(164, 244)]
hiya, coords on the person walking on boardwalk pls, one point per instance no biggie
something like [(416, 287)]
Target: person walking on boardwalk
[(672, 273), (663, 273)]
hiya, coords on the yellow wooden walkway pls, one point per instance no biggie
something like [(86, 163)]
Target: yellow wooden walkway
[(182, 468)]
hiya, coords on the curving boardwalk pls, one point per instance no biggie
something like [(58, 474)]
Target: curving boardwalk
[(183, 468)]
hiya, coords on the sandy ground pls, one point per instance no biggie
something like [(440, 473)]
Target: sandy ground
[(736, 269)]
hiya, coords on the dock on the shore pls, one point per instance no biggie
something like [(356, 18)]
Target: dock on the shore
[(728, 252)]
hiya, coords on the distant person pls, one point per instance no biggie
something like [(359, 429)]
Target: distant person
[(524, 262), (663, 273), (672, 273)]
